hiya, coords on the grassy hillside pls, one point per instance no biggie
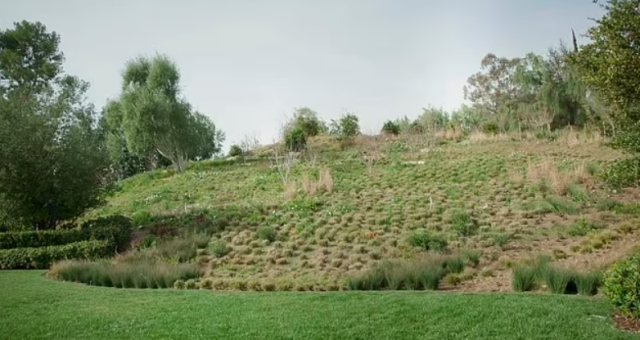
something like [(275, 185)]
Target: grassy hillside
[(507, 198), (41, 309)]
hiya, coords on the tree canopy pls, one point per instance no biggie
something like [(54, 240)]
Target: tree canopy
[(52, 163)]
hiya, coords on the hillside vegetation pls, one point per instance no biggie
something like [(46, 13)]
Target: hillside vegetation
[(502, 198)]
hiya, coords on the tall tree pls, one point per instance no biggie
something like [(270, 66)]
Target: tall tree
[(610, 66), (29, 57), (52, 164), (153, 116)]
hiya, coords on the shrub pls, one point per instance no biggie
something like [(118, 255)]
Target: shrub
[(428, 241), (267, 233), (220, 249), (473, 257), (295, 140), (43, 257), (235, 151), (346, 127), (622, 285), (116, 229), (524, 278), (391, 128), (464, 224), (35, 239), (490, 128), (148, 273), (308, 121)]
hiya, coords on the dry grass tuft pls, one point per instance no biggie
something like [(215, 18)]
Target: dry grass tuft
[(449, 134), (290, 190), (324, 183), (326, 180), (479, 136), (546, 172)]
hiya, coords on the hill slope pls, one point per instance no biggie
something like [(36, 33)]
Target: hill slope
[(338, 212)]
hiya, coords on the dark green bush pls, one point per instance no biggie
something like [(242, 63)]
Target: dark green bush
[(295, 140), (428, 241), (235, 151), (389, 127), (141, 273), (43, 257), (44, 238), (622, 285), (115, 229), (623, 173), (490, 128)]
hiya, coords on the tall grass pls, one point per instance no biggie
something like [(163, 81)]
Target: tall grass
[(420, 274), (147, 273)]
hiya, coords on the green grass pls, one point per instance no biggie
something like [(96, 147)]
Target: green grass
[(32, 307)]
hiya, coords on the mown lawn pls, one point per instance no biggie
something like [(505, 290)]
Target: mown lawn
[(32, 307)]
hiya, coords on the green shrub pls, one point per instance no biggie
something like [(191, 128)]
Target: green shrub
[(582, 227), (588, 283), (391, 128), (463, 223), (235, 151), (115, 229), (267, 233), (295, 140), (35, 239), (346, 127), (524, 278), (490, 128), (428, 241), (622, 285), (43, 257), (220, 249), (147, 273), (623, 173)]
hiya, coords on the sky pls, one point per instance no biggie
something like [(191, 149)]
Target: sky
[(249, 64)]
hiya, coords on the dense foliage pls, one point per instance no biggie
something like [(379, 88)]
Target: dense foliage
[(622, 286), (43, 257), (52, 163)]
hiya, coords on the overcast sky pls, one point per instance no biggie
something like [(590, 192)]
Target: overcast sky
[(248, 64)]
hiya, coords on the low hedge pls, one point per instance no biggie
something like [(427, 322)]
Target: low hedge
[(115, 229), (43, 257), (35, 239)]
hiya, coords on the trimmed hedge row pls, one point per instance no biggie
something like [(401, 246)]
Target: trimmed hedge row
[(115, 229), (35, 239), (43, 257)]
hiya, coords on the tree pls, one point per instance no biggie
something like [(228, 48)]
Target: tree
[(610, 66), (155, 118), (29, 57), (52, 163)]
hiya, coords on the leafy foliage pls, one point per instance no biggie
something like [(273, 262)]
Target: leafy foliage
[(308, 121), (346, 127), (610, 66), (235, 151), (391, 128), (151, 116), (295, 140), (43, 257), (53, 166), (35, 239), (622, 285)]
